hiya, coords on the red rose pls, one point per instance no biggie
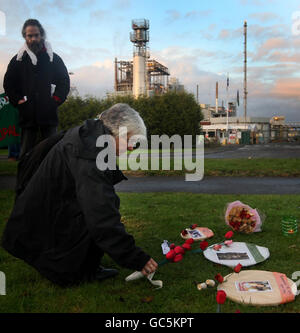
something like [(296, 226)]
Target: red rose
[(189, 241), (229, 235), (219, 278), (184, 232), (238, 268), (186, 246), (170, 255), (194, 226), (179, 250), (203, 245), (172, 246), (221, 297), (178, 257)]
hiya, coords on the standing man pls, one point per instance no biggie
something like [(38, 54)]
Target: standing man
[(36, 82)]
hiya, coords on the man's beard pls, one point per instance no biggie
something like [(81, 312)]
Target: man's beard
[(36, 47)]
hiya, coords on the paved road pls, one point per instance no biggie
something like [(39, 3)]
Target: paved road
[(258, 151), (210, 185)]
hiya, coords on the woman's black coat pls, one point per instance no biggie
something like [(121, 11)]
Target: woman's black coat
[(68, 214)]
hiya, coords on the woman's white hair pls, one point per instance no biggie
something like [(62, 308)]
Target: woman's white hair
[(122, 115)]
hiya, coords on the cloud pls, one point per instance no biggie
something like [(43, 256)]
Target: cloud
[(99, 15), (287, 88), (95, 79), (270, 45), (196, 14), (172, 16), (264, 16), (271, 90)]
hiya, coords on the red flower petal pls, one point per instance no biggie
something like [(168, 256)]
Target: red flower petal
[(184, 232), (194, 226), (221, 297), (186, 246), (219, 278), (229, 235), (172, 246), (238, 268), (203, 245), (178, 257), (189, 241), (179, 250), (170, 255)]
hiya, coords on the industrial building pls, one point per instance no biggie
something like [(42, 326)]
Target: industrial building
[(252, 130), (142, 75), (209, 111)]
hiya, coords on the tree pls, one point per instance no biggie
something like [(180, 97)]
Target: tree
[(170, 113)]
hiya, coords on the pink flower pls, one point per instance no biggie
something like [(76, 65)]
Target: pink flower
[(228, 242), (217, 247)]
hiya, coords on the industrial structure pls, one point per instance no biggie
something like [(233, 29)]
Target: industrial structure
[(142, 75)]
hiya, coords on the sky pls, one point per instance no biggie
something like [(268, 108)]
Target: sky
[(199, 41)]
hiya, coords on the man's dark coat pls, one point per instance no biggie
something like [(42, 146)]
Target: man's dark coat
[(22, 78), (68, 214)]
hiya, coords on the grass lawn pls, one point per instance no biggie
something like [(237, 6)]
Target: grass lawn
[(152, 218), (241, 167)]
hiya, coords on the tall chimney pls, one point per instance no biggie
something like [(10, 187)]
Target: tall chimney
[(245, 71), (217, 96)]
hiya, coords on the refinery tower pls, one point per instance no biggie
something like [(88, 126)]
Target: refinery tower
[(142, 75)]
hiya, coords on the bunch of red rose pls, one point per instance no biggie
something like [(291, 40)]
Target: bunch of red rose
[(176, 253)]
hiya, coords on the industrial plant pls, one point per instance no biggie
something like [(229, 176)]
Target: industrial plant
[(142, 76)]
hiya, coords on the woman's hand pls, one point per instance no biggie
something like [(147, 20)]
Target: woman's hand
[(150, 267)]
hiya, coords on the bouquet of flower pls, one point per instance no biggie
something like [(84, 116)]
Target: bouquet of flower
[(242, 218)]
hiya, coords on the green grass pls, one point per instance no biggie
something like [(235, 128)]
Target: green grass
[(151, 218), (242, 167), (4, 152), (8, 168)]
